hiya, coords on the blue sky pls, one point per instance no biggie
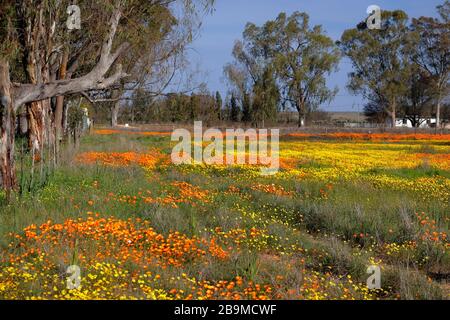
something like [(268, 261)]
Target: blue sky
[(212, 50)]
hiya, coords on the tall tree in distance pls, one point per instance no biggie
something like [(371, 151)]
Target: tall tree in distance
[(380, 60), (248, 74), (375, 110), (432, 52), (240, 78), (417, 101), (303, 56)]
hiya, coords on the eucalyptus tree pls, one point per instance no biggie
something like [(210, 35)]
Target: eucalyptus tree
[(432, 52), (303, 56), (381, 60), (416, 103), (36, 32), (239, 76), (249, 75)]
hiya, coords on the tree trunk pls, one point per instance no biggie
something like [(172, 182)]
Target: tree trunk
[(36, 125), (115, 108), (23, 123), (393, 114), (38, 112), (301, 113), (65, 120), (41, 87), (114, 114), (7, 167), (301, 120), (393, 119), (438, 114), (59, 109)]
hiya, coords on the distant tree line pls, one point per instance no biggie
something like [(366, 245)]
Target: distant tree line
[(174, 108), (281, 65), (401, 69)]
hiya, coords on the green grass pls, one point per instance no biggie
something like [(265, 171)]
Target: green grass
[(407, 173)]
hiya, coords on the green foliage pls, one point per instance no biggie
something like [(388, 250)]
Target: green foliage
[(431, 54), (266, 98), (303, 56), (283, 60), (234, 109), (380, 60), (8, 36), (144, 108)]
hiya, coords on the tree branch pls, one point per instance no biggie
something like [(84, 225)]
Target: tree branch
[(94, 80)]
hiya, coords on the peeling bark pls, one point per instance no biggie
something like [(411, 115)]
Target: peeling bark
[(23, 123), (59, 109), (95, 80), (42, 87), (115, 109), (60, 100), (7, 118), (35, 121), (65, 120), (38, 115), (114, 114)]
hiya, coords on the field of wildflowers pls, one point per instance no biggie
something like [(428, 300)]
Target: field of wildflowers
[(141, 228)]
